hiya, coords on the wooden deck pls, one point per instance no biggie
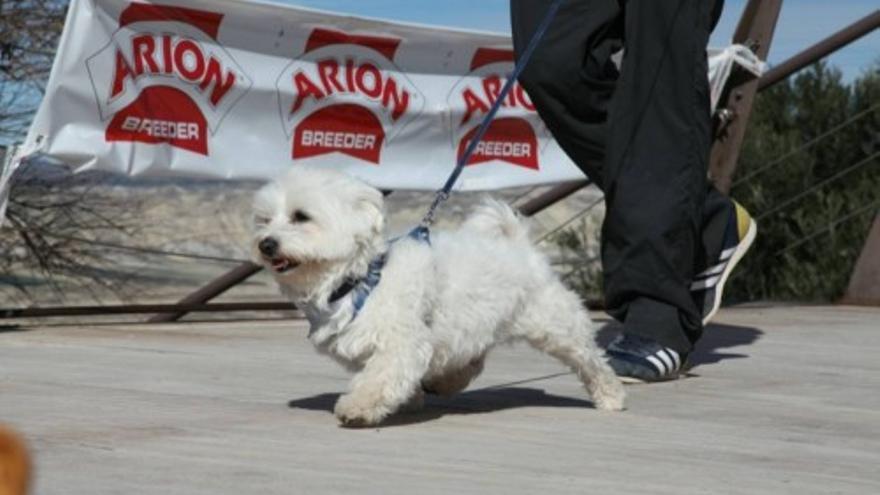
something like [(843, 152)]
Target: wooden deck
[(783, 400)]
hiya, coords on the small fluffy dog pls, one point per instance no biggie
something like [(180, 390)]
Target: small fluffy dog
[(413, 314)]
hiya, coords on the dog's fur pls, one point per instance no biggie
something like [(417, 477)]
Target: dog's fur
[(438, 309)]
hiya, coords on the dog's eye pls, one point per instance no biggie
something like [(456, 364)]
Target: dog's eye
[(300, 216)]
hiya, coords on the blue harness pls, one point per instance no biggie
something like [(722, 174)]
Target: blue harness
[(362, 287)]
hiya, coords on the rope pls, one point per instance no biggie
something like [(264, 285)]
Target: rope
[(148, 250), (819, 185), (443, 194), (830, 226), (807, 145)]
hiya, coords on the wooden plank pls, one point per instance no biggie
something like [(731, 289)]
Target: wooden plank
[(246, 408)]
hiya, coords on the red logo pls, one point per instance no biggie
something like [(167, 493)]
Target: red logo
[(512, 137), (163, 78), (344, 94)]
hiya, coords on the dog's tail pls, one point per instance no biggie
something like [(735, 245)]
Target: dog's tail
[(495, 218)]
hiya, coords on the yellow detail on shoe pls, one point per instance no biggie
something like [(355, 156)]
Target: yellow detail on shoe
[(743, 220)]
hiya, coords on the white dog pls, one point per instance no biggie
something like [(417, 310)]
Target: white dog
[(415, 314)]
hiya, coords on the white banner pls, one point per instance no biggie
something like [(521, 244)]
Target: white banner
[(235, 89)]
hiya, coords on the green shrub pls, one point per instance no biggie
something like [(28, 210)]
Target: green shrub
[(815, 206)]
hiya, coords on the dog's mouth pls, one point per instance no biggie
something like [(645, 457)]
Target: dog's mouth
[(282, 265)]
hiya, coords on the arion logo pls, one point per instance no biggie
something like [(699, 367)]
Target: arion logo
[(344, 94), (512, 137), (163, 78)]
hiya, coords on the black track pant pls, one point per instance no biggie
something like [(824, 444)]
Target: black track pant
[(642, 134)]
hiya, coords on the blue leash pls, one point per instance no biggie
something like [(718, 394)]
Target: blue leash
[(421, 232), (362, 288)]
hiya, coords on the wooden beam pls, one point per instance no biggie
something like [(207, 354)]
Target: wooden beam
[(755, 30), (213, 289), (130, 309), (821, 49), (551, 197), (864, 285)]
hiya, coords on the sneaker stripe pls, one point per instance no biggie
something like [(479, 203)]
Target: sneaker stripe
[(661, 368), (667, 360), (705, 284), (713, 271), (727, 253), (675, 357)]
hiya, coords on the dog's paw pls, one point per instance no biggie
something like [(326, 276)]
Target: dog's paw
[(353, 412), (611, 399), (610, 404)]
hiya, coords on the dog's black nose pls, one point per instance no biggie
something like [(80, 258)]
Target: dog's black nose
[(268, 246)]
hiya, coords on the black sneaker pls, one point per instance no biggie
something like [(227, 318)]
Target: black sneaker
[(708, 286), (638, 359)]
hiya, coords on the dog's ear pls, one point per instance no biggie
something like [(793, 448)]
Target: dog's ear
[(370, 206)]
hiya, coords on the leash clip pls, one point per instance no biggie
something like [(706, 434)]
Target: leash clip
[(428, 219)]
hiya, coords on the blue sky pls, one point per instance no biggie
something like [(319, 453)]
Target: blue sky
[(801, 23)]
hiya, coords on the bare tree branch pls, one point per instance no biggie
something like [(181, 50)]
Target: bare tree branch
[(49, 207)]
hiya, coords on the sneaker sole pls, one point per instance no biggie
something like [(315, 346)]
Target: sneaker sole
[(629, 380), (741, 249)]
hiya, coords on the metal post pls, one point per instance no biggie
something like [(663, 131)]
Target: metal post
[(755, 30)]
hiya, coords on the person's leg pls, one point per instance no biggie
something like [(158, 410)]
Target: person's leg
[(655, 171), (728, 233), (570, 77), (571, 80)]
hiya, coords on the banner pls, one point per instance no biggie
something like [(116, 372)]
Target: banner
[(245, 90)]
